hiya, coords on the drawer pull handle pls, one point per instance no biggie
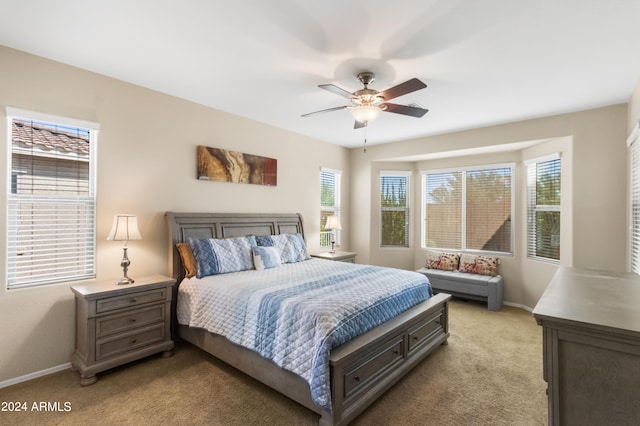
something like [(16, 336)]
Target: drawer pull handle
[(415, 337), (356, 378), (134, 340), (134, 300), (132, 320), (396, 352)]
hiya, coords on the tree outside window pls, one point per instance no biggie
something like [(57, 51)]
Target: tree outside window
[(394, 210)]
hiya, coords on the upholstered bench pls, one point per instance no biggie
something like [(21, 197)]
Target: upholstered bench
[(470, 286)]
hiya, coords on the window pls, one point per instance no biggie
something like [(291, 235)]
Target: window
[(394, 209), (329, 204), (51, 199), (543, 209), (634, 142), (468, 209)]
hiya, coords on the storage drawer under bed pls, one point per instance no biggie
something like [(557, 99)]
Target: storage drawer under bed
[(377, 363)]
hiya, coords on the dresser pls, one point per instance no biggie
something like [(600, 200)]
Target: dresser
[(117, 324), (591, 347), (340, 256)]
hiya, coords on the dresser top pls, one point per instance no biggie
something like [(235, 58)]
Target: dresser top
[(600, 298), (98, 288)]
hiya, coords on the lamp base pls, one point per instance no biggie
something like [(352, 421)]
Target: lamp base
[(125, 266), (125, 281)]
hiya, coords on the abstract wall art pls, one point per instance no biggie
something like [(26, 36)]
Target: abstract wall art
[(223, 165)]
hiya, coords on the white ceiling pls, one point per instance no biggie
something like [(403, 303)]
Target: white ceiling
[(484, 61)]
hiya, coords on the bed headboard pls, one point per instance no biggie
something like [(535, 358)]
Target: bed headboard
[(224, 225)]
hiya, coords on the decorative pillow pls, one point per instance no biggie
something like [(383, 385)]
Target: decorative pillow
[(442, 261), (188, 261), (290, 246), (265, 257), (467, 264), (482, 265), (219, 256), (487, 265)]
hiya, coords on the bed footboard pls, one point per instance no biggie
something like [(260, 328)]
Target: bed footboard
[(364, 368)]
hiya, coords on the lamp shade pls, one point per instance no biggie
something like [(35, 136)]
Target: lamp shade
[(365, 113), (333, 222), (125, 228)]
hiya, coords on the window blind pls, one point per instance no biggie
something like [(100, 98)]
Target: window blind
[(51, 203), (488, 210), (394, 209), (443, 210), (543, 208), (469, 209)]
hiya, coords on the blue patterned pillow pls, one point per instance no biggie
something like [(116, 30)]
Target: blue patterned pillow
[(265, 257), (219, 256), (291, 246)]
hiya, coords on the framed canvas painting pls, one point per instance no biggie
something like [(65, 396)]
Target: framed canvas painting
[(223, 165)]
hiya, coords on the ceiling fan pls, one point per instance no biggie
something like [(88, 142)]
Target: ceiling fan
[(367, 104)]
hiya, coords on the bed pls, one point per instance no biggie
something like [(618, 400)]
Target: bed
[(359, 370)]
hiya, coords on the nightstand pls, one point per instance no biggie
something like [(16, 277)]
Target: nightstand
[(119, 324), (340, 256)]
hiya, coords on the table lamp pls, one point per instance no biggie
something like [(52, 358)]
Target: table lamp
[(125, 228), (333, 223)]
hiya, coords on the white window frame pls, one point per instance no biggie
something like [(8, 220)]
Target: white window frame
[(463, 225), (532, 208), (407, 208), (89, 260), (333, 210)]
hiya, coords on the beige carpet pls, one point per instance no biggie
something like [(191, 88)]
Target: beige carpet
[(490, 373)]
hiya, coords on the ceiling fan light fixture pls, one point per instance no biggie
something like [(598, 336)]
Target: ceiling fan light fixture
[(365, 113)]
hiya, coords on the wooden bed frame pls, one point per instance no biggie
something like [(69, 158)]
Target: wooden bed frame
[(361, 369)]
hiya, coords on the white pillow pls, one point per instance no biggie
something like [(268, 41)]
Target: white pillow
[(266, 257)]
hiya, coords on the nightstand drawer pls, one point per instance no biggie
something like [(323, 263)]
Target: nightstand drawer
[(134, 299), (124, 343), (129, 320)]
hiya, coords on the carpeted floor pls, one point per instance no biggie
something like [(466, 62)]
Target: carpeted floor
[(490, 373)]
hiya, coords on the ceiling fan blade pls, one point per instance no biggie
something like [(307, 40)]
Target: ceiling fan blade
[(403, 88), (406, 110), (309, 114), (337, 90), (359, 124)]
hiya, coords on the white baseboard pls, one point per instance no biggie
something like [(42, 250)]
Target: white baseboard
[(34, 375)]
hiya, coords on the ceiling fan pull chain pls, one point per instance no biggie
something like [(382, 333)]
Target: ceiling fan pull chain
[(365, 137)]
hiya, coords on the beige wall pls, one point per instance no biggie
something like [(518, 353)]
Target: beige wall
[(634, 108), (594, 191), (146, 166)]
